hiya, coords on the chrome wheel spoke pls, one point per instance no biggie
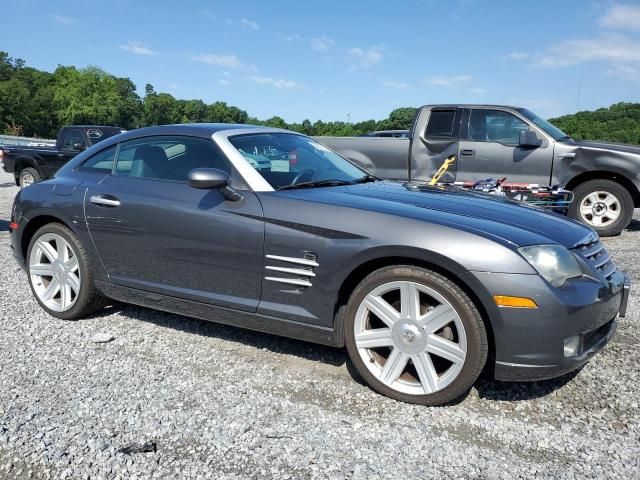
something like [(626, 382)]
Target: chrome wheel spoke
[(426, 372), (52, 289), (610, 201), (596, 220), (586, 210), (446, 349), (394, 366), (409, 301), (377, 337), (381, 309), (47, 249), (65, 296), (42, 269), (437, 318), (73, 282), (72, 264)]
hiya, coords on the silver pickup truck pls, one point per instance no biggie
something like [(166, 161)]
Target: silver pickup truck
[(497, 141)]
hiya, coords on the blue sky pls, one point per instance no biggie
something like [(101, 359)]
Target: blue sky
[(323, 60)]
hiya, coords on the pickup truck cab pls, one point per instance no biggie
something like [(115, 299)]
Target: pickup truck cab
[(497, 141), (32, 164)]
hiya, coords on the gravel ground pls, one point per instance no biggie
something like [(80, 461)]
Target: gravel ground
[(221, 402)]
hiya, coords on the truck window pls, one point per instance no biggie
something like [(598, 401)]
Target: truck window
[(495, 126), (69, 137), (101, 162), (441, 124)]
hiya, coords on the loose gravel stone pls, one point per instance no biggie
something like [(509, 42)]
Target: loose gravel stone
[(102, 338), (221, 402)]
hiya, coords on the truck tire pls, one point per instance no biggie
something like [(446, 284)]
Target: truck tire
[(414, 335), (28, 176), (604, 205)]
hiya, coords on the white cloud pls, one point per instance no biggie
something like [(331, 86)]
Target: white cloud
[(63, 19), (450, 81), (249, 24), (393, 84), (228, 61), (622, 16), (322, 44), (365, 58), (610, 47), (477, 91), (624, 72), (224, 81), (517, 56), (209, 14), (275, 82), (137, 48), (289, 38)]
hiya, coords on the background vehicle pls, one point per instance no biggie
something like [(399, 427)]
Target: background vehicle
[(30, 165), (388, 134), (496, 141), (422, 285)]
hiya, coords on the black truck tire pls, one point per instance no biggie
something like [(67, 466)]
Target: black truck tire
[(28, 176), (604, 205)]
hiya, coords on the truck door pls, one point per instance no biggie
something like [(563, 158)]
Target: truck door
[(70, 140), (435, 142), (491, 150)]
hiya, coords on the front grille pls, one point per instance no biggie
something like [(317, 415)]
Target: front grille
[(596, 255)]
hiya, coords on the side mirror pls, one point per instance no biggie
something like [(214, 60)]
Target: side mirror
[(79, 146), (529, 139), (212, 178)]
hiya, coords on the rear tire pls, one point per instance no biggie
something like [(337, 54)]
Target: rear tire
[(28, 176), (59, 275), (604, 205), (415, 336)]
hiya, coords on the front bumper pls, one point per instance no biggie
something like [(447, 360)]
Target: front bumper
[(530, 343)]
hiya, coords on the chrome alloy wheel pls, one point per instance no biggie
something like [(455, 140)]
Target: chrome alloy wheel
[(410, 337), (600, 208), (26, 179), (54, 272)]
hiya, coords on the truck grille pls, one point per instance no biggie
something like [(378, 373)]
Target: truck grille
[(595, 254)]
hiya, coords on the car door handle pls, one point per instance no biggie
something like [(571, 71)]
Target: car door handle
[(466, 152), (105, 201)]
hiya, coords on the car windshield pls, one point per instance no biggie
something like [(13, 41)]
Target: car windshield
[(552, 130), (289, 161)]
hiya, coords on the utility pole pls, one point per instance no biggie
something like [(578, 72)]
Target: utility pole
[(349, 117), (579, 87)]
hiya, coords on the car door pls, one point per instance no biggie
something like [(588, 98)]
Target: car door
[(154, 232), (431, 146), (491, 150)]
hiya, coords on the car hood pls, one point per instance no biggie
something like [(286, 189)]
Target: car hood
[(495, 217), (616, 147)]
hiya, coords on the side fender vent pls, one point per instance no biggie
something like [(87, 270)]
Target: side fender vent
[(293, 270)]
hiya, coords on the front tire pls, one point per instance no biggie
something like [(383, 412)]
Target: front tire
[(28, 176), (415, 336), (604, 205), (59, 275)]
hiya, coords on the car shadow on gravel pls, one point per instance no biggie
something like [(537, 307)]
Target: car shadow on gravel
[(517, 391), (634, 226), (4, 225), (305, 350)]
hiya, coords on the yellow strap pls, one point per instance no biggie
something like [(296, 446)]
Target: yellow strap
[(443, 168)]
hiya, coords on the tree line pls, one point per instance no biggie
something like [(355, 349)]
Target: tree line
[(37, 103)]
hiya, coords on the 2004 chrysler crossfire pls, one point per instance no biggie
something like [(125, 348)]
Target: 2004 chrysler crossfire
[(269, 230)]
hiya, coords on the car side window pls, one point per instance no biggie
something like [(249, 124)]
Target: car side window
[(168, 157), (101, 162), (71, 137), (442, 124), (495, 126)]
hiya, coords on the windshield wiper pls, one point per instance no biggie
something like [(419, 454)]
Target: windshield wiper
[(566, 137), (318, 183), (367, 178)]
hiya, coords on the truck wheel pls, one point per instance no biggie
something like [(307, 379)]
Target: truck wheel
[(415, 336), (28, 176), (604, 205)]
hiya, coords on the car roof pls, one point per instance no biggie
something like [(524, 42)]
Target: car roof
[(471, 105)]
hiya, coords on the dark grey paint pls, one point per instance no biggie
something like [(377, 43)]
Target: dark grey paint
[(191, 251)]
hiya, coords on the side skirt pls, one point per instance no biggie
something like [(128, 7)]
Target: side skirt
[(227, 316)]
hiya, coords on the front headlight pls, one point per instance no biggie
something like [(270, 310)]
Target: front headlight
[(554, 263)]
